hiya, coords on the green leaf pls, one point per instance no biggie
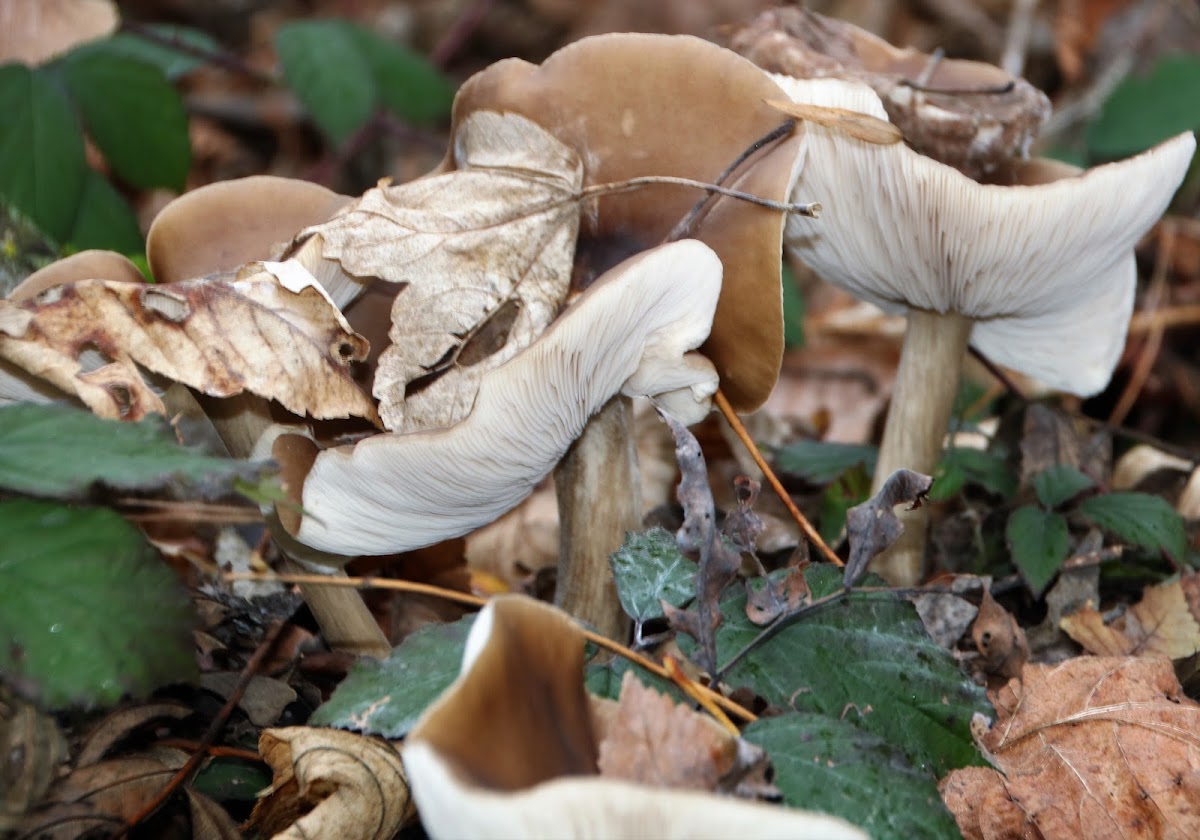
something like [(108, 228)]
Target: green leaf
[(41, 149), (133, 114), (793, 309), (648, 567), (1141, 519), (866, 658), (1059, 484), (603, 679), (105, 220), (1039, 542), (55, 450), (326, 69), (406, 82), (853, 487), (821, 462), (232, 780), (830, 765), (173, 62), (386, 697), (960, 466), (1144, 110), (87, 611)]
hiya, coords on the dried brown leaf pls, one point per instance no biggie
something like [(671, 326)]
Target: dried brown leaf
[(33, 747), (776, 596), (1094, 747), (272, 332), (1000, 640), (1161, 624), (872, 526), (484, 254)]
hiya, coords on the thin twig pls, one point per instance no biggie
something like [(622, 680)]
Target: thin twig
[(216, 57), (459, 32), (811, 210), (1153, 341), (698, 693), (740, 430)]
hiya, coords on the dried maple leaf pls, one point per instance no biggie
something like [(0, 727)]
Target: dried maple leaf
[(1095, 747), (271, 331), (484, 254), (1159, 625)]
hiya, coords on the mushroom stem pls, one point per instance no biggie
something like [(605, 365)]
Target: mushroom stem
[(599, 501), (344, 618), (922, 399)]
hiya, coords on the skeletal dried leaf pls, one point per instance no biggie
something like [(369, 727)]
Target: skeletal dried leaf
[(1159, 625), (271, 331), (872, 526), (484, 255)]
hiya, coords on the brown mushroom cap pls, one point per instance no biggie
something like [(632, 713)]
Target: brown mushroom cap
[(86, 265), (637, 105), (225, 225)]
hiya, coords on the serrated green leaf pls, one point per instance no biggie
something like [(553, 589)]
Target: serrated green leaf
[(1039, 542), (821, 462), (960, 466), (87, 610), (648, 567), (105, 220), (327, 71), (868, 652), (1060, 483), (1141, 519), (603, 679), (134, 116), (58, 451), (172, 61), (41, 149), (830, 765), (1144, 110), (405, 81), (386, 697)]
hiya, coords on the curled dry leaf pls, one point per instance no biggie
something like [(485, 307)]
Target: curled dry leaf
[(872, 526), (1161, 624), (272, 331), (1000, 640), (1094, 747), (484, 254), (331, 783), (33, 747)]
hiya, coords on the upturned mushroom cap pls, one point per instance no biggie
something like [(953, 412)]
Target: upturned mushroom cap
[(85, 265), (639, 105), (509, 750), (225, 225), (630, 332), (1046, 272), (32, 32)]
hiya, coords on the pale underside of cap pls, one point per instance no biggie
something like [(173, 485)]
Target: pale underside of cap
[(1046, 271)]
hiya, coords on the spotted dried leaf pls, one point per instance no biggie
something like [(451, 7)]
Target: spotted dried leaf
[(271, 331), (1161, 624), (872, 526), (483, 253)]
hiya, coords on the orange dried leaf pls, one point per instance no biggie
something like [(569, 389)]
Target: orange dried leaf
[(1159, 625)]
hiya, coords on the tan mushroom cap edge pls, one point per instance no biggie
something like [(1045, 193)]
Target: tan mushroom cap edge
[(224, 225), (85, 265), (33, 31), (634, 105)]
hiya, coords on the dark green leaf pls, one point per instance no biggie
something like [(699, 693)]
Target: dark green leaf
[(1144, 110), (55, 450), (1144, 520), (853, 487), (821, 462), (386, 698), (87, 610), (406, 82), (134, 116), (41, 150), (793, 309), (105, 219), (960, 467), (1059, 484), (648, 567), (830, 765), (232, 779), (604, 679), (870, 653), (1039, 543), (326, 69), (172, 61)]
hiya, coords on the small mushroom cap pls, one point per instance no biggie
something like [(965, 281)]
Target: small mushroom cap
[(85, 265), (1047, 272), (630, 332), (639, 105), (225, 225), (33, 31)]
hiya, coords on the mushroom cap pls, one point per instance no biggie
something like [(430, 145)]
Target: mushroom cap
[(85, 265), (222, 226), (33, 32), (635, 105), (1046, 271), (630, 332)]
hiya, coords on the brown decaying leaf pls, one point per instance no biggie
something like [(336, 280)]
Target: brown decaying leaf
[(766, 603), (873, 526), (330, 783), (120, 724), (484, 254), (32, 746), (851, 123), (1000, 640), (1095, 747), (1161, 624), (272, 332)]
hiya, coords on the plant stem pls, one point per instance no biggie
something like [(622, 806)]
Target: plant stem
[(922, 399)]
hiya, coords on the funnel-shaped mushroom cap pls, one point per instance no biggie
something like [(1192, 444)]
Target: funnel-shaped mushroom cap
[(223, 226), (1047, 272), (509, 750), (630, 332), (642, 105), (86, 265)]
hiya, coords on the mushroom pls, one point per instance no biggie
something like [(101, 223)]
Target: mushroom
[(1037, 278), (33, 33), (511, 750), (638, 105)]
